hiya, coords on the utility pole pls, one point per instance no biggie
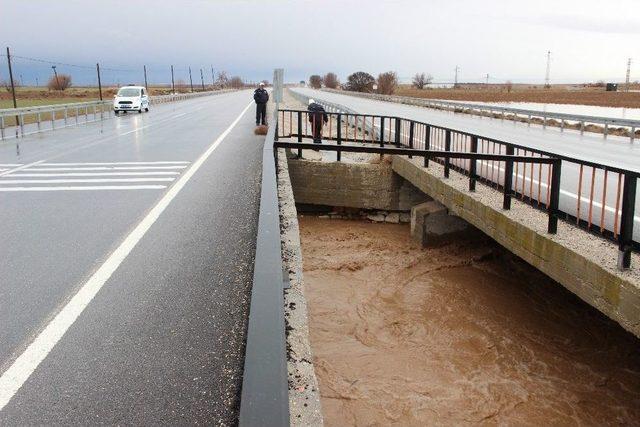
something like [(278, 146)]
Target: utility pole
[(626, 88), (55, 73), (37, 83), (213, 78), (455, 82), (202, 79), (487, 83), (99, 82), (547, 80), (13, 88), (173, 85), (190, 79), (144, 67)]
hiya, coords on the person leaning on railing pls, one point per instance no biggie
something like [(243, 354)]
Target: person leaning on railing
[(317, 117)]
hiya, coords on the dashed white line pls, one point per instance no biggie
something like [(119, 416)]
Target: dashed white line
[(61, 174), (117, 163), (82, 188), (22, 368), (80, 181), (106, 168)]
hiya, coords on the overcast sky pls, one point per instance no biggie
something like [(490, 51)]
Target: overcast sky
[(589, 40)]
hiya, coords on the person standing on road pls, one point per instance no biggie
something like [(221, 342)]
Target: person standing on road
[(261, 96), (318, 117)]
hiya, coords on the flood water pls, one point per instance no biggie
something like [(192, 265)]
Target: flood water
[(585, 110), (457, 335)]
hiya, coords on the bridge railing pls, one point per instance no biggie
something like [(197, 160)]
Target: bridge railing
[(48, 117), (580, 122), (594, 197)]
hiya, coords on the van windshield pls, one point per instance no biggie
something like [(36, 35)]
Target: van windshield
[(129, 91)]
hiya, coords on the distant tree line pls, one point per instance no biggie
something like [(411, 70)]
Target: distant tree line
[(361, 81)]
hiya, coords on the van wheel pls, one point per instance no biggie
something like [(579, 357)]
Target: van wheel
[(146, 109), (140, 111)]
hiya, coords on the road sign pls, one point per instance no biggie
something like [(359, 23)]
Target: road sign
[(278, 75)]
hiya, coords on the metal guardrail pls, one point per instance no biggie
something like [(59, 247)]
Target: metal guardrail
[(544, 180), (525, 114), (265, 391), (73, 112)]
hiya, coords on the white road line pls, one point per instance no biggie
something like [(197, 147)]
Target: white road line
[(106, 168), (82, 188), (79, 181), (22, 368), (116, 164), (10, 165), (19, 168), (43, 175)]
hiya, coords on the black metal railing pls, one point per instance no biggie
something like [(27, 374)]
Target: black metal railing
[(598, 198)]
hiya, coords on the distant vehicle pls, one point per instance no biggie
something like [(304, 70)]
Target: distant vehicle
[(131, 98)]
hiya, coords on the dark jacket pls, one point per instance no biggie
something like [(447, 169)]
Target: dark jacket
[(317, 111), (261, 96)]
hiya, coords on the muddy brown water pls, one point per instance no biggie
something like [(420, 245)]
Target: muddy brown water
[(457, 335)]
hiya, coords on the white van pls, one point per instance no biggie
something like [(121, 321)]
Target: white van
[(131, 98)]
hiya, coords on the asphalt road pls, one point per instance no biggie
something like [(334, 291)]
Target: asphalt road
[(166, 203), (613, 151)]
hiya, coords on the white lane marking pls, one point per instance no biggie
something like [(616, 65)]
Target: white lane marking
[(116, 163), (82, 188), (78, 181), (106, 168), (42, 175), (19, 168), (16, 169), (10, 165), (22, 368)]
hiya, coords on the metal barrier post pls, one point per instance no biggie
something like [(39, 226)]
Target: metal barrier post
[(397, 139), (554, 200), (1, 127), (473, 164), (427, 144), (382, 131), (38, 118), (625, 239), (411, 125), (508, 180), (447, 147), (22, 124), (299, 133), (339, 135)]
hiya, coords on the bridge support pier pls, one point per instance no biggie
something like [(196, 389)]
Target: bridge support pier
[(432, 225)]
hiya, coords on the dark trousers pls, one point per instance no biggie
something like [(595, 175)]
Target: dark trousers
[(261, 114), (316, 128)]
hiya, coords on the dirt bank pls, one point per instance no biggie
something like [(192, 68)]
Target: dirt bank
[(462, 334)]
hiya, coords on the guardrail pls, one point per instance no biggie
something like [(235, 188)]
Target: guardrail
[(544, 180), (45, 116), (265, 391), (519, 114)]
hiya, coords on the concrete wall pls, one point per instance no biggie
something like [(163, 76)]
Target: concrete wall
[(356, 185), (582, 263)]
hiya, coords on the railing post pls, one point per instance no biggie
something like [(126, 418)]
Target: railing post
[(65, 116), (508, 180), (53, 118), (447, 147), (427, 144), (22, 124), (472, 164), (625, 239), (554, 199), (299, 133), (1, 127), (382, 132), (339, 135), (411, 130), (38, 118), (397, 135)]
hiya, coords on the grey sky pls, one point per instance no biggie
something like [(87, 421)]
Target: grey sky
[(589, 40)]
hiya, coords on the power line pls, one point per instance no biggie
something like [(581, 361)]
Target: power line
[(87, 67)]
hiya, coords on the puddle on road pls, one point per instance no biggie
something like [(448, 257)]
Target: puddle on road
[(462, 334)]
